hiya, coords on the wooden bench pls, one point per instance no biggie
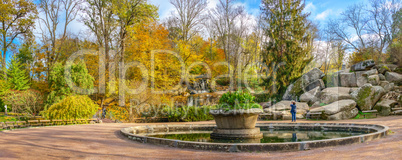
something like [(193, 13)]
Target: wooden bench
[(80, 121), (45, 122), (311, 115), (34, 123), (370, 111), (396, 109), (57, 122), (3, 125), (10, 125), (94, 120), (21, 124)]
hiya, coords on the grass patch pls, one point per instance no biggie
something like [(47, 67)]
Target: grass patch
[(361, 115)]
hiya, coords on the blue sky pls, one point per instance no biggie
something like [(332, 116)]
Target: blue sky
[(321, 10)]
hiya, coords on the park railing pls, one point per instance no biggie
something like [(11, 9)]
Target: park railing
[(36, 123)]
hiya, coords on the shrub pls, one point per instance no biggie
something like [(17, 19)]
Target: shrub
[(237, 100), (72, 107), (28, 101), (187, 113)]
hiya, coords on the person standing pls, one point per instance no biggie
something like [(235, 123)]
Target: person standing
[(293, 111)]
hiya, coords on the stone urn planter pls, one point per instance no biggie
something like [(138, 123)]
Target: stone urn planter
[(235, 124)]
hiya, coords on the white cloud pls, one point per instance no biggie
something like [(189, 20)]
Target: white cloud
[(324, 15), (310, 7)]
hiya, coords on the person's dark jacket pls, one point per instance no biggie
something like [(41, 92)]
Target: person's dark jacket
[(293, 108)]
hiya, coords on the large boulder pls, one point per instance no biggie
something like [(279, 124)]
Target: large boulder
[(384, 106), (361, 80), (344, 115), (317, 83), (382, 68), (329, 97), (370, 72), (398, 112), (312, 76), (348, 79), (301, 107), (389, 87), (367, 96), (336, 107), (311, 96), (266, 104), (333, 79), (299, 86), (382, 77), (374, 79), (333, 94), (340, 90), (393, 77), (362, 77), (364, 65), (288, 95)]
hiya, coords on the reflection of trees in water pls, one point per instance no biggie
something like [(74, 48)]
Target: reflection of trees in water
[(269, 137)]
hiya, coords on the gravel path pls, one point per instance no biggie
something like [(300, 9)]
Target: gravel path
[(103, 141)]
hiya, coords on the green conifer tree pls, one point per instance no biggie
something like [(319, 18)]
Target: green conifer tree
[(17, 79), (290, 41)]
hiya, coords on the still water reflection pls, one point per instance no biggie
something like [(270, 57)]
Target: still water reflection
[(270, 136)]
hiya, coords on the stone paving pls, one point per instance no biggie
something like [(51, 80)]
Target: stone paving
[(104, 141)]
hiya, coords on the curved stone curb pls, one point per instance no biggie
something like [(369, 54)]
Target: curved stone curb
[(379, 131)]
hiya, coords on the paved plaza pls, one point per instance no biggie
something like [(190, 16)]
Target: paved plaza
[(104, 141)]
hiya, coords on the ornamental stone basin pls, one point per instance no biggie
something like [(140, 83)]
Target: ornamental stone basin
[(235, 124)]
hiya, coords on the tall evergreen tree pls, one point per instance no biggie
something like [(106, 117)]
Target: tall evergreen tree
[(17, 77), (290, 41)]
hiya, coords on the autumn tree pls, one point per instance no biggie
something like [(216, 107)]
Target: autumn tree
[(367, 29), (17, 18), (395, 49), (57, 13), (290, 41), (230, 24), (189, 17)]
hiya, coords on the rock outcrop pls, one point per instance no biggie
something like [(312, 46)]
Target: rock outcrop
[(343, 109), (348, 79), (384, 106), (334, 94), (393, 77), (367, 96), (382, 68), (281, 110), (311, 96), (368, 85), (308, 81), (362, 66)]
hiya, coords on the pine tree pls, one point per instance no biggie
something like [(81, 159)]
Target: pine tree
[(17, 78), (290, 41)]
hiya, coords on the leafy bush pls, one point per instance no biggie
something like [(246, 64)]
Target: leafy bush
[(237, 100), (7, 119), (28, 101), (60, 86), (72, 107), (187, 113)]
